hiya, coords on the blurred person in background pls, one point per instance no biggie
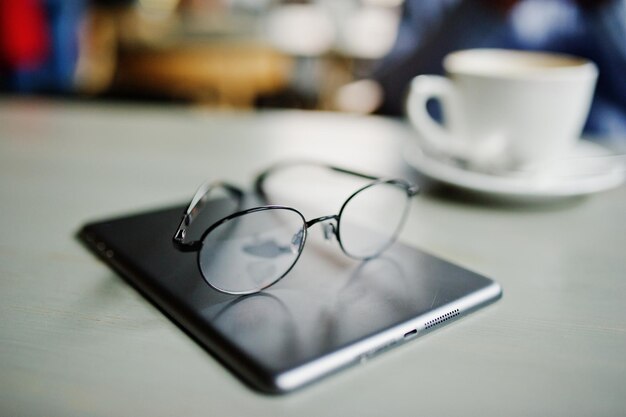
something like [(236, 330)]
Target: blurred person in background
[(594, 29), (38, 44)]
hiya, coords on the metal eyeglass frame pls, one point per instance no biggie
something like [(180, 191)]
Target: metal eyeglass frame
[(201, 197)]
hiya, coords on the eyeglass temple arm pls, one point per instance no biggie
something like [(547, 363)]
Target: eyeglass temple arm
[(261, 177), (412, 189), (196, 205)]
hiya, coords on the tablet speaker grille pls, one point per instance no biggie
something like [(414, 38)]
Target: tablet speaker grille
[(444, 317)]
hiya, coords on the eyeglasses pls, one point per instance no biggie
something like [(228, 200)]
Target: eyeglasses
[(250, 250)]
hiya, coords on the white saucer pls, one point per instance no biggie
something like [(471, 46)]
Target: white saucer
[(587, 169)]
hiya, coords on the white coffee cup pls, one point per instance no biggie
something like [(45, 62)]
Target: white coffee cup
[(504, 109)]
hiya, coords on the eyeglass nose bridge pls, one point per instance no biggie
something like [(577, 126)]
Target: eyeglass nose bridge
[(329, 229)]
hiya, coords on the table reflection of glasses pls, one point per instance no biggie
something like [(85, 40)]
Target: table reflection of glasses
[(250, 250)]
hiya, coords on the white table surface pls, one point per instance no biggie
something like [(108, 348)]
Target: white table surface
[(76, 340)]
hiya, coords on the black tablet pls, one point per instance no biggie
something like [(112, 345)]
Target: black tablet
[(328, 313)]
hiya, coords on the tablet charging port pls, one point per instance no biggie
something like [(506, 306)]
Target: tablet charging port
[(410, 334)]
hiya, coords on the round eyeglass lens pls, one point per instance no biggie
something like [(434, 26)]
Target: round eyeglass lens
[(371, 219), (252, 251)]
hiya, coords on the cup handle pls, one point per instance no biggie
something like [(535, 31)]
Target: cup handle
[(438, 137)]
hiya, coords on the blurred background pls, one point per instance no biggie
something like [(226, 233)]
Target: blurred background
[(339, 55), (216, 53)]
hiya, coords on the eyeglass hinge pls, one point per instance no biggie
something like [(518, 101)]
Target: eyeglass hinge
[(180, 235)]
